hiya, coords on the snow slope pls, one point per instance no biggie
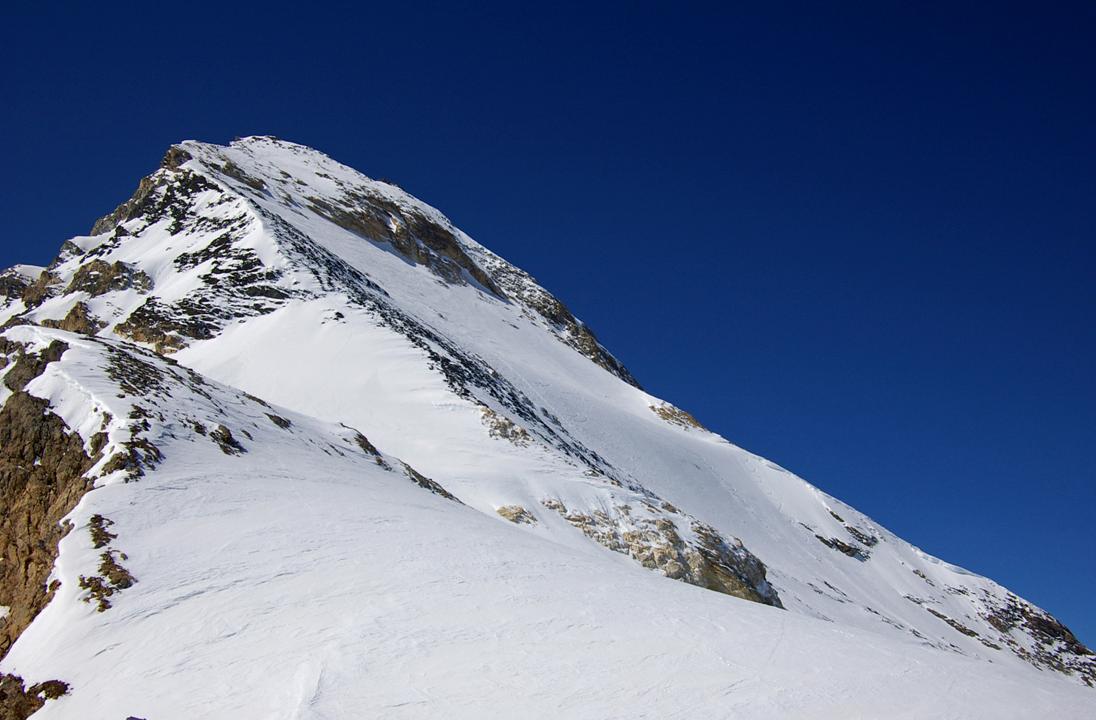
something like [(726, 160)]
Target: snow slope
[(281, 583), (302, 579)]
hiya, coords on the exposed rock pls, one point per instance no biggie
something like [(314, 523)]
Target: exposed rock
[(174, 158), (78, 320), (1049, 644), (128, 208), (138, 455), (516, 514), (960, 627), (501, 427), (157, 194), (112, 578), (97, 277), (12, 284), (711, 562), (42, 467), (843, 547), (861, 536), (415, 236), (428, 484), (234, 171), (280, 421), (19, 703), (134, 375), (153, 324), (727, 566), (234, 281), (923, 576), (676, 416), (148, 382), (864, 537), (521, 286), (50, 689), (36, 292), (100, 536), (68, 251), (363, 442), (29, 365), (228, 444)]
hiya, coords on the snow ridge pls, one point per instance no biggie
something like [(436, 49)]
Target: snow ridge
[(395, 355)]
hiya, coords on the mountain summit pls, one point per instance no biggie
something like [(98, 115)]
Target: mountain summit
[(279, 440)]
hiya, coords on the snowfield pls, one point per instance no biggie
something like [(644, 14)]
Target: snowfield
[(285, 334)]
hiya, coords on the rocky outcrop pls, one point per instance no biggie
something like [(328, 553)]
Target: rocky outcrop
[(42, 467), (234, 171), (112, 577), (18, 702), (709, 560), (12, 284), (78, 320), (516, 514), (68, 251), (128, 208), (139, 201), (369, 448), (521, 287), (417, 237), (154, 324), (1038, 637), (843, 547), (502, 428), (676, 416), (234, 282), (859, 550), (427, 484), (35, 293), (97, 277), (174, 158), (226, 441)]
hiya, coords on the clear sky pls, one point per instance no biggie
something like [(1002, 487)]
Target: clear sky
[(857, 240)]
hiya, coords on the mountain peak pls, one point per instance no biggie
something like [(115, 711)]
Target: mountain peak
[(224, 342), (280, 187)]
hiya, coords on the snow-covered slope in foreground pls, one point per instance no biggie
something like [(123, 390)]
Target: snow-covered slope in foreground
[(303, 576), (266, 562)]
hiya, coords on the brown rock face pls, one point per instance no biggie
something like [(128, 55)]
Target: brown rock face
[(15, 702), (78, 320), (516, 514), (415, 236), (676, 416), (713, 561), (12, 285), (18, 702), (35, 293), (152, 323), (98, 277), (427, 484), (520, 286), (124, 211), (41, 480), (174, 158)]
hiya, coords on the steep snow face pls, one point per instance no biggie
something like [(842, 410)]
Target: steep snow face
[(275, 270), (256, 563)]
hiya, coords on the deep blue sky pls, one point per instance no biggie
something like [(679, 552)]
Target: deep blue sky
[(856, 240)]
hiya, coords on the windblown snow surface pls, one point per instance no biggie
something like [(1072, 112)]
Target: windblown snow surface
[(524, 532)]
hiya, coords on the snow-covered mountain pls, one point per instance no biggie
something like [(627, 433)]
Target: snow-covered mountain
[(278, 440)]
